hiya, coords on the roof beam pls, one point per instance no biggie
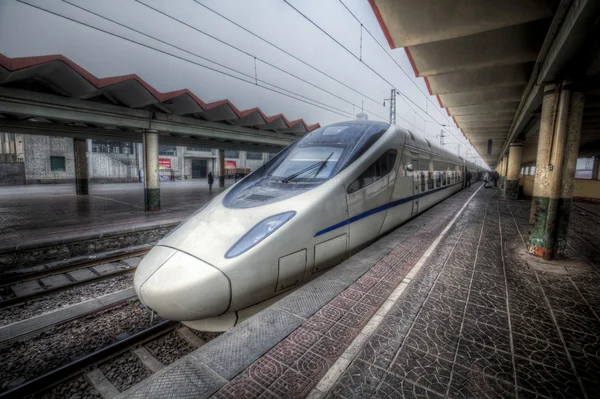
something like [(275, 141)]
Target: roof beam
[(41, 105)]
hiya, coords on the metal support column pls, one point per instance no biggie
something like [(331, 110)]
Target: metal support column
[(151, 176), (514, 168), (221, 168), (80, 148), (560, 129)]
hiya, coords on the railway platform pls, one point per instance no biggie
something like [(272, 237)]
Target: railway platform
[(447, 305), (43, 224)]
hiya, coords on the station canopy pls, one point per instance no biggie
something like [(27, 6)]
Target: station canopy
[(487, 61), (55, 96)]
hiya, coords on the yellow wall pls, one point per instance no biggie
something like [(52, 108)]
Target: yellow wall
[(583, 189)]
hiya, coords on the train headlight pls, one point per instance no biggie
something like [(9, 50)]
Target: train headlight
[(258, 233)]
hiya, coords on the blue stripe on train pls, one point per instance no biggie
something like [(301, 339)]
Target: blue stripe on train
[(380, 208)]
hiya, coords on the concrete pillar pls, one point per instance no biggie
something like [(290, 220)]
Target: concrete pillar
[(555, 170), (151, 175), (503, 168), (596, 168), (80, 148), (513, 171), (221, 168), (569, 168)]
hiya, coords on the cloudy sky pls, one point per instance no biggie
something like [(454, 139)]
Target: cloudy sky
[(191, 38)]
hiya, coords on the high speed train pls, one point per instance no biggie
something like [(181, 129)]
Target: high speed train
[(314, 204)]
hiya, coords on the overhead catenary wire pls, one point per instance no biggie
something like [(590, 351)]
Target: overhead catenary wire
[(302, 61), (390, 57), (249, 54), (251, 77), (252, 82), (362, 61)]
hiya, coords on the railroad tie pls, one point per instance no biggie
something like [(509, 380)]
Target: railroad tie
[(102, 384), (190, 337), (149, 361)]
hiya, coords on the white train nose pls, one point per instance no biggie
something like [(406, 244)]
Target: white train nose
[(179, 286)]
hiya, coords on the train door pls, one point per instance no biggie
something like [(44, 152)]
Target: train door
[(368, 197), (414, 172)]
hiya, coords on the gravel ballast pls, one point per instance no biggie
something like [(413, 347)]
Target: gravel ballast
[(125, 371), (24, 360), (58, 300)]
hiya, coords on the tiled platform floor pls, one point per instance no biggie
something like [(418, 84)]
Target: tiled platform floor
[(480, 322), (477, 322), (32, 212)]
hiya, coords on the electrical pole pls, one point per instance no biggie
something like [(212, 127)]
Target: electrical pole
[(441, 136), (392, 101)]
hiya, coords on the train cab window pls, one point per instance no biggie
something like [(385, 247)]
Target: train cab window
[(377, 170)]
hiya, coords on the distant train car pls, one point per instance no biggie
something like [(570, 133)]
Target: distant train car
[(317, 202)]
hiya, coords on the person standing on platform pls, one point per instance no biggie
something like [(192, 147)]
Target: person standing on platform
[(469, 177), (495, 177), (211, 180), (172, 175)]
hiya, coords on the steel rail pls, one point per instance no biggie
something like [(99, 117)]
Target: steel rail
[(72, 369)]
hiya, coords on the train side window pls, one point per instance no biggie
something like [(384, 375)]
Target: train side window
[(430, 181), (378, 169), (423, 181)]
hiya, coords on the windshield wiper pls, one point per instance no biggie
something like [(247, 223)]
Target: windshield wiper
[(320, 164)]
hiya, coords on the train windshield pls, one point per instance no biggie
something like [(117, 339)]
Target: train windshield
[(307, 163)]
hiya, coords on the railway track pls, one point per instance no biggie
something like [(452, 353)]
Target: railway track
[(75, 368), (25, 287)]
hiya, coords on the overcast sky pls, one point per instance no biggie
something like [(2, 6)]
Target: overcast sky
[(27, 31)]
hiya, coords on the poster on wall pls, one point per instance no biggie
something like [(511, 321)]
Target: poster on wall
[(230, 164), (164, 163)]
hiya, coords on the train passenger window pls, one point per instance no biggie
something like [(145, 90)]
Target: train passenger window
[(423, 181), (443, 178), (377, 170), (438, 179), (430, 181)]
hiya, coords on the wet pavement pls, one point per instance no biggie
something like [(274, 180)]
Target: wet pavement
[(33, 212)]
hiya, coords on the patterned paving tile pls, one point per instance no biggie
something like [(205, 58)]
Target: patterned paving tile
[(291, 384), (447, 305), (487, 300), (358, 381), (265, 371), (422, 368), (394, 387), (434, 338), (243, 387), (313, 365), (486, 360), (546, 380), (535, 328), (487, 315), (583, 341), (394, 327), (491, 284), (379, 350), (494, 337), (541, 351), (444, 288), (467, 383)]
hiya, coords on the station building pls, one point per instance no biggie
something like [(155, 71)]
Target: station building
[(34, 159)]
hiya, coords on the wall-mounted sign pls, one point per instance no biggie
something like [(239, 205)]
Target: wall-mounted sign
[(230, 164), (164, 163)]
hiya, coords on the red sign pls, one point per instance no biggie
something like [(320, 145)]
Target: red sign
[(230, 164), (164, 163)]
